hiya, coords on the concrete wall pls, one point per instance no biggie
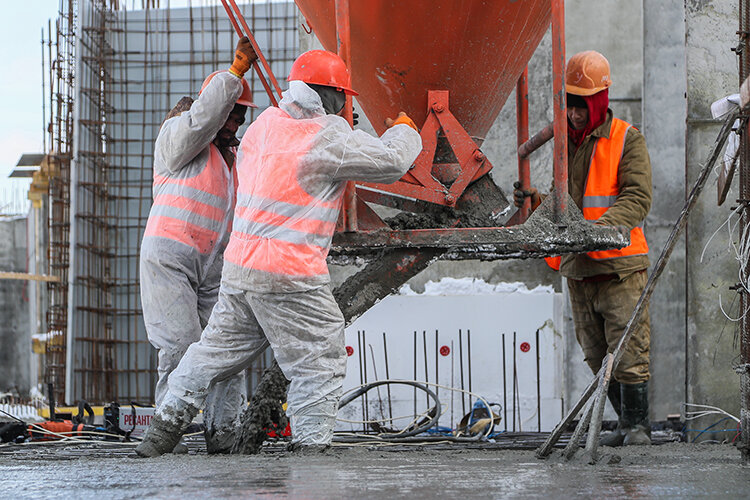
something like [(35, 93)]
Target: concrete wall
[(15, 336), (711, 348)]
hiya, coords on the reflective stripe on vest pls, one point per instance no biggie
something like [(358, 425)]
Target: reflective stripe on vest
[(602, 189), (193, 210), (279, 227)]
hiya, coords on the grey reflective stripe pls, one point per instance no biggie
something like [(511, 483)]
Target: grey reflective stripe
[(288, 209), (186, 216), (271, 232), (599, 201), (191, 193)]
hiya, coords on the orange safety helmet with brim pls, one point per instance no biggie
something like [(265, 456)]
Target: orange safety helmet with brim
[(321, 67), (587, 73), (245, 99)]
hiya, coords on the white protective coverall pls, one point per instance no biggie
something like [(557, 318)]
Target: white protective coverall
[(186, 234), (293, 165)]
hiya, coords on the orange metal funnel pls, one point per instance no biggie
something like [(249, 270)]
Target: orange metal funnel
[(400, 49)]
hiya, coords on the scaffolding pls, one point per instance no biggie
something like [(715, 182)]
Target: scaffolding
[(117, 73)]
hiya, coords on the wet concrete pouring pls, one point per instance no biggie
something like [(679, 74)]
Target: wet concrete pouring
[(101, 470)]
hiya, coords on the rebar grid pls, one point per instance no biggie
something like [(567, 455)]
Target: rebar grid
[(130, 67)]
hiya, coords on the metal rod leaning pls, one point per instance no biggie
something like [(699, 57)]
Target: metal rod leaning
[(249, 35), (592, 442)]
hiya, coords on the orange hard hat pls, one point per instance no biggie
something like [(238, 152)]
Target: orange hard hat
[(246, 98), (587, 73), (321, 67)]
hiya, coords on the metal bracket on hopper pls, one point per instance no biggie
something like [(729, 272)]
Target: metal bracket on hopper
[(442, 179)]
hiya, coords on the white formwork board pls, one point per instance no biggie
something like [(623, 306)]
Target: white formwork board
[(481, 318)]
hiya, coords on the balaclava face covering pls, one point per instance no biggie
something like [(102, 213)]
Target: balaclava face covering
[(333, 100), (597, 105)]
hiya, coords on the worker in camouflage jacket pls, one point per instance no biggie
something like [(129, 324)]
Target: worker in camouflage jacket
[(609, 179)]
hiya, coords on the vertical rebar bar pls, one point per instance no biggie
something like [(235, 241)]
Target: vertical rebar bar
[(560, 155), (461, 367), (388, 377), (538, 388), (522, 135), (505, 388)]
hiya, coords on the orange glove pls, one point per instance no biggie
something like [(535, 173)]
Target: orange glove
[(244, 56), (402, 118)]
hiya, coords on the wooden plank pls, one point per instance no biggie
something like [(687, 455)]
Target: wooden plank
[(5, 275), (745, 93)]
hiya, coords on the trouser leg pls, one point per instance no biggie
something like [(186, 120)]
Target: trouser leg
[(589, 324), (229, 343), (227, 399), (170, 313), (306, 332)]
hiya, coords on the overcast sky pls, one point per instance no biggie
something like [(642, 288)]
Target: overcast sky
[(21, 85)]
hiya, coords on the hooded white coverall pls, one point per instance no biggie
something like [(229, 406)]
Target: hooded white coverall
[(293, 165), (186, 234)]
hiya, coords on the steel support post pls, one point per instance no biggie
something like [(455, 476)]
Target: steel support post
[(744, 367), (560, 155), (343, 41), (522, 135)]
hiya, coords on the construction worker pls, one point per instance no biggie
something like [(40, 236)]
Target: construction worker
[(609, 179), (188, 229), (294, 162)]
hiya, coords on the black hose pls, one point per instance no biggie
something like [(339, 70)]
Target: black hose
[(432, 415)]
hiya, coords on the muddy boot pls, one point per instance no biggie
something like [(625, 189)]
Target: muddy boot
[(616, 437), (220, 441), (180, 449), (635, 414), (167, 427), (308, 449)]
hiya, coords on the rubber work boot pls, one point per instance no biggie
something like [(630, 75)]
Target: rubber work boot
[(308, 449), (635, 414), (180, 449), (220, 441), (166, 429), (616, 437)]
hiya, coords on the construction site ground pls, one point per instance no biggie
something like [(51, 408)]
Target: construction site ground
[(504, 469)]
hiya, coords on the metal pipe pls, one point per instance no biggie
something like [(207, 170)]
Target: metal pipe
[(537, 141), (256, 67), (424, 348), (461, 364), (344, 50), (538, 388), (522, 135), (560, 156), (387, 377), (505, 389)]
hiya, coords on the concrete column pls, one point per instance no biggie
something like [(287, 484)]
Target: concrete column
[(664, 115), (711, 268)]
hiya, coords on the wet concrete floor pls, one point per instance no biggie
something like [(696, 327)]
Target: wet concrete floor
[(674, 470)]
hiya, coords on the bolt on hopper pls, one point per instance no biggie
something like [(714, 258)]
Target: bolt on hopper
[(451, 66)]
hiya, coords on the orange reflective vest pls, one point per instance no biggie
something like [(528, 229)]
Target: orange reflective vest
[(602, 190), (197, 210), (278, 227)]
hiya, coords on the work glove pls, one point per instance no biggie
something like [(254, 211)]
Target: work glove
[(519, 195), (401, 118), (244, 56)]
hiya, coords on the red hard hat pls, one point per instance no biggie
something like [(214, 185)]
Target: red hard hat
[(246, 98), (322, 68)]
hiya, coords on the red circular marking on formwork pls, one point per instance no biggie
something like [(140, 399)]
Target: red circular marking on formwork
[(445, 350), (525, 347), (349, 350)]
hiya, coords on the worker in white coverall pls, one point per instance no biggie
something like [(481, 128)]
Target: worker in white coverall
[(188, 229), (293, 165)]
